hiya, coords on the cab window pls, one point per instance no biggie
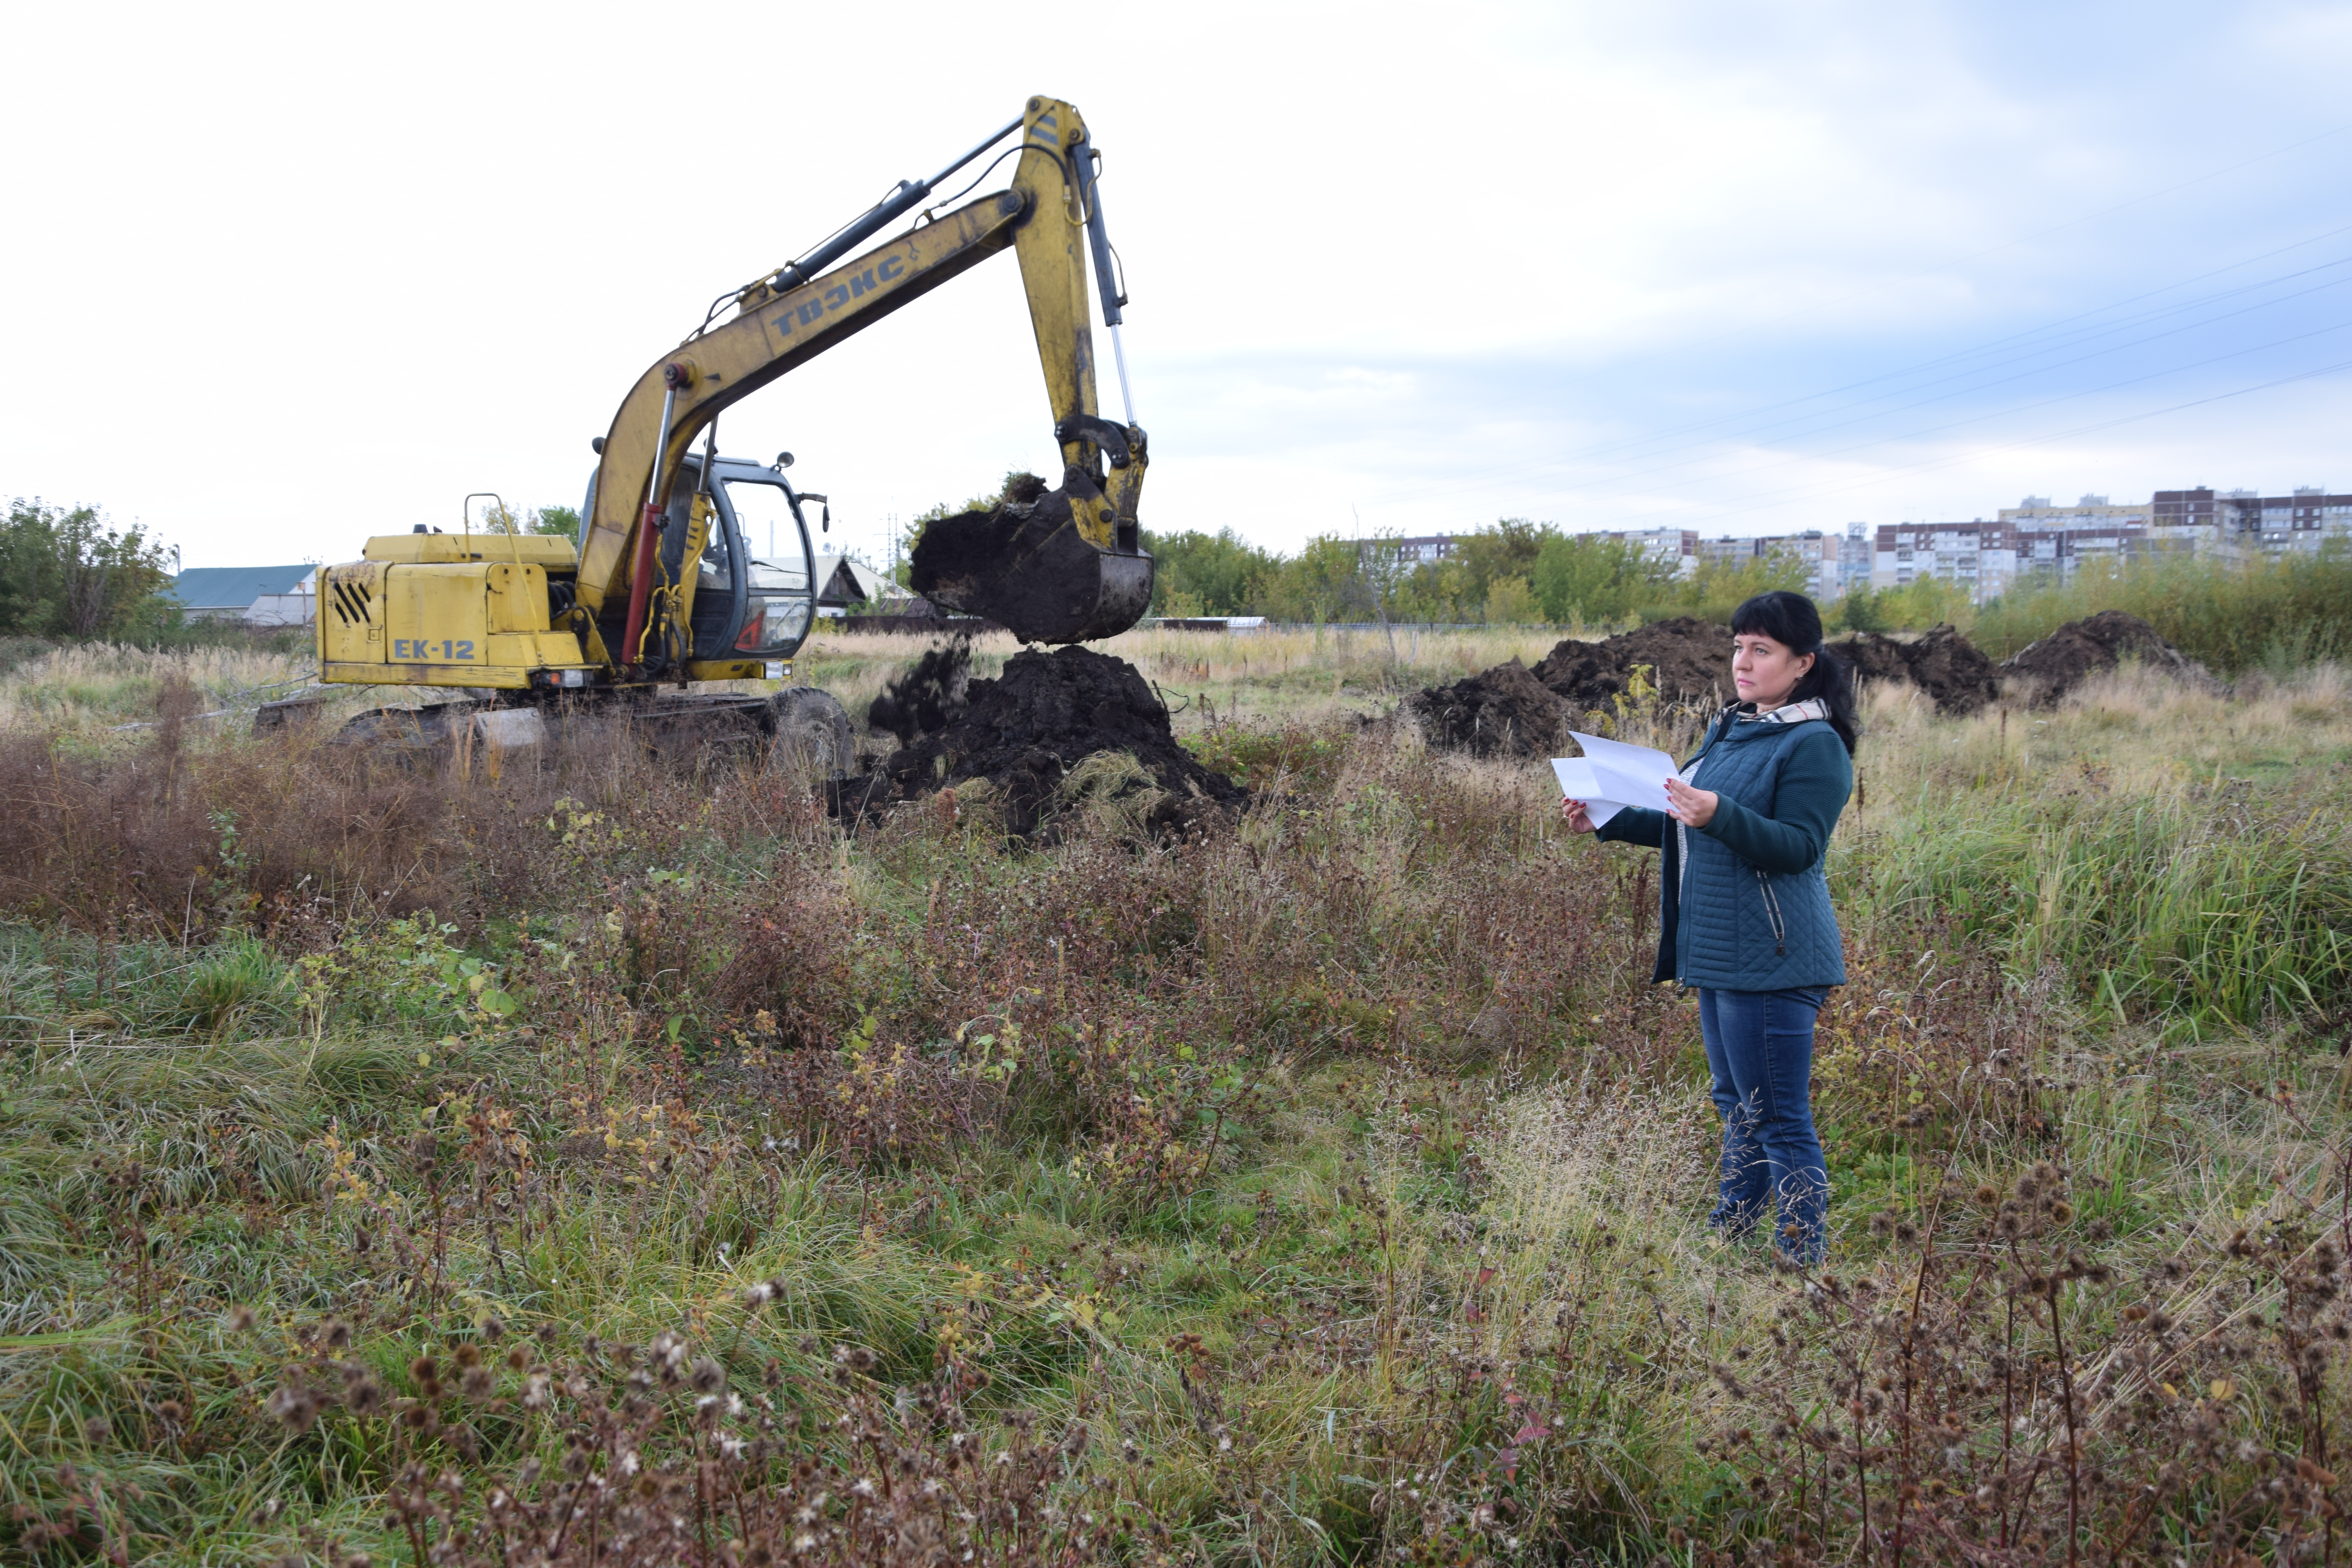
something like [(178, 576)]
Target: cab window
[(769, 535)]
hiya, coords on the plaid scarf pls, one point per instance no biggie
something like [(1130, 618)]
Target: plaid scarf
[(1787, 713)]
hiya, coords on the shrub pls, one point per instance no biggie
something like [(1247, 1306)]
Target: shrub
[(2276, 615), (67, 573)]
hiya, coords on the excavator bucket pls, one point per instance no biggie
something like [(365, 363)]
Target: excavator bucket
[(1025, 566)]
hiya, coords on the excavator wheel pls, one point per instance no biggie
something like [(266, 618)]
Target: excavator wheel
[(813, 739), (410, 737)]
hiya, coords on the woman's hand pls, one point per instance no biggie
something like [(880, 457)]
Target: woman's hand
[(1691, 807), (1578, 822)]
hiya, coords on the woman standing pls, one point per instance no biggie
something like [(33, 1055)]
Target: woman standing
[(1745, 914)]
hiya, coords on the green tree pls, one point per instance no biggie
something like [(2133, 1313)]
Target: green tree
[(71, 574), (1324, 582), (1859, 611), (1922, 603), (1511, 602), (1199, 574), (499, 517), (1509, 549), (1720, 587), (1592, 577)]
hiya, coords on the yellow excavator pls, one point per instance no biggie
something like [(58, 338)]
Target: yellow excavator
[(663, 587)]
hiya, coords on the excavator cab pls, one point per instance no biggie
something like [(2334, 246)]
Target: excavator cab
[(755, 587), (754, 590)]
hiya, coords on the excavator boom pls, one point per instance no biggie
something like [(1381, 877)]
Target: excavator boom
[(1070, 567)]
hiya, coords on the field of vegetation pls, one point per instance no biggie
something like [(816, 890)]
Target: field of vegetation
[(584, 1160)]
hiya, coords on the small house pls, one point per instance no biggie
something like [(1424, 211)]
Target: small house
[(258, 596)]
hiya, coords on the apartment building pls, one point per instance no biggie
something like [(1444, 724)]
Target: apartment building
[(2091, 512), (1677, 547), (2243, 522), (1834, 562), (1978, 555)]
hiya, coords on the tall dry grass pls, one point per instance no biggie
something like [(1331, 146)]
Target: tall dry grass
[(87, 686)]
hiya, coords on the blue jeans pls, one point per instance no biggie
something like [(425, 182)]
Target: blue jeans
[(1759, 1051)]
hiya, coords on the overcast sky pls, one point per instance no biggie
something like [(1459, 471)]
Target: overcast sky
[(279, 278)]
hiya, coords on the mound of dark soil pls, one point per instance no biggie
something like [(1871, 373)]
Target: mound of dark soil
[(1511, 710), (1873, 656), (1025, 731), (1951, 670), (1500, 712), (2044, 671), (1956, 675), (1690, 660)]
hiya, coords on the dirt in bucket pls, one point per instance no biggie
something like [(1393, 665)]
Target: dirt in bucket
[(1025, 733)]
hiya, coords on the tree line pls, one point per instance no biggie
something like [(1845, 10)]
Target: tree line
[(69, 573), (1514, 572)]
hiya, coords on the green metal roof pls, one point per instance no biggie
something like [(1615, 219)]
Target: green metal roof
[(235, 587)]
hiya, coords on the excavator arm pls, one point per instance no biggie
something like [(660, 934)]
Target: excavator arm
[(1071, 569)]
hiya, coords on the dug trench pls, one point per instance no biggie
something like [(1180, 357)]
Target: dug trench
[(1036, 743)]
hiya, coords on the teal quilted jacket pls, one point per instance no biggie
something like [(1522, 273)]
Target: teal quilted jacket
[(1752, 912)]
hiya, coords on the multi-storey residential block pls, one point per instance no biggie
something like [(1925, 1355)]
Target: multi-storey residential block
[(1677, 547), (2243, 522), (1853, 557), (2060, 551), (2091, 512), (1827, 556), (1981, 556)]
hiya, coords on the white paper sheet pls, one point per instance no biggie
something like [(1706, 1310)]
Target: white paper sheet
[(1628, 776), (1577, 783)]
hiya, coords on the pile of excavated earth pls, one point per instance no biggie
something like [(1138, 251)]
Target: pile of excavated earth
[(1022, 736), (1511, 710), (2078, 650)]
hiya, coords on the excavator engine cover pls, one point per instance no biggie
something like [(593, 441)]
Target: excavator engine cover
[(1026, 567)]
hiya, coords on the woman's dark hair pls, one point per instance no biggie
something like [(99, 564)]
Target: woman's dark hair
[(1790, 620)]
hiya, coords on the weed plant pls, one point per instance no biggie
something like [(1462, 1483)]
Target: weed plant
[(584, 1158)]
